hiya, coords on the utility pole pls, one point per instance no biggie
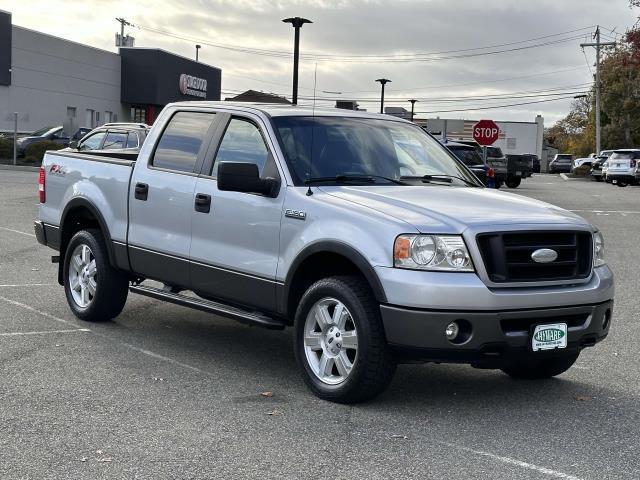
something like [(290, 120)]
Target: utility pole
[(296, 23), (123, 22), (413, 103), (383, 82), (598, 45)]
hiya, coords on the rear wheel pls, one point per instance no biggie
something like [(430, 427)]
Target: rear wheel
[(513, 182), (621, 183), (532, 369), (597, 178), (95, 290), (339, 341)]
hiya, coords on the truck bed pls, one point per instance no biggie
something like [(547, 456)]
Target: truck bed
[(74, 178)]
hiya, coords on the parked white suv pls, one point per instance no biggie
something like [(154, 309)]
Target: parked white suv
[(623, 165)]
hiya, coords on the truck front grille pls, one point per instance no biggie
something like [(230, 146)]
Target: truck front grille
[(507, 255)]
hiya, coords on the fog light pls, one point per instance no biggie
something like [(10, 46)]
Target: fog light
[(452, 330)]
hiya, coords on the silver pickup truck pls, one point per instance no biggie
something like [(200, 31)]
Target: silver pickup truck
[(361, 231)]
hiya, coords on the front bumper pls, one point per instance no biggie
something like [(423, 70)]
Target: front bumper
[(496, 337)]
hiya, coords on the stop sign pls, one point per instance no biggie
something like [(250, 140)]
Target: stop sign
[(485, 132)]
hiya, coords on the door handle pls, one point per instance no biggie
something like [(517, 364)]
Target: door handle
[(203, 203), (142, 191)]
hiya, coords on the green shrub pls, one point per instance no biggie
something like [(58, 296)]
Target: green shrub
[(582, 170), (36, 150), (6, 148)]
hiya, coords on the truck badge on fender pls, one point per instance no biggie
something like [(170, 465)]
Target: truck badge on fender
[(299, 214)]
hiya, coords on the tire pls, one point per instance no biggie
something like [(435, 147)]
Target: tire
[(597, 178), (621, 184), (535, 369), (513, 182), (110, 286), (372, 365)]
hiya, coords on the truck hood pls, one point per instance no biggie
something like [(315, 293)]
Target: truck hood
[(445, 209)]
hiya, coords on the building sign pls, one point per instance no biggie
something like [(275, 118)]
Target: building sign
[(193, 86)]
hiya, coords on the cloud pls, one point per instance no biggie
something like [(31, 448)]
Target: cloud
[(360, 27)]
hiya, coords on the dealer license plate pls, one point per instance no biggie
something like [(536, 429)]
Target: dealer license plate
[(549, 337)]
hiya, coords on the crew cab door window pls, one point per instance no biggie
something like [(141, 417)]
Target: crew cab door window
[(242, 142), (93, 142), (181, 141)]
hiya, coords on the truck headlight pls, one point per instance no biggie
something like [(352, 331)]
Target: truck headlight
[(598, 250), (432, 252)]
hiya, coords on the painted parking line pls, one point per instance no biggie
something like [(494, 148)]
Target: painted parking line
[(606, 212), (18, 285), (35, 310), (18, 231), (127, 345), (44, 332), (512, 461)]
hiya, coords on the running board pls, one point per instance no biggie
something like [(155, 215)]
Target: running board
[(244, 316)]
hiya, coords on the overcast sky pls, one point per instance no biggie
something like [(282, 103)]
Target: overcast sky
[(362, 29)]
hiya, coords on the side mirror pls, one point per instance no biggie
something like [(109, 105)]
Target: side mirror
[(73, 144), (245, 177)]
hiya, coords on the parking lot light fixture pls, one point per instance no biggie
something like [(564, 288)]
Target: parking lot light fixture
[(413, 104), (383, 82), (296, 23)]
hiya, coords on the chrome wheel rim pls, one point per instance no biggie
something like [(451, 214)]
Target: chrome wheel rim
[(83, 277), (330, 341)]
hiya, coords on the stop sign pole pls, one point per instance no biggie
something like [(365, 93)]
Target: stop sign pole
[(485, 132)]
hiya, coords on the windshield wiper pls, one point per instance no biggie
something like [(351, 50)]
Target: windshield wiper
[(440, 178), (352, 178)]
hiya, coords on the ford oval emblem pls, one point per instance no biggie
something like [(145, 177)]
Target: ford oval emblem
[(544, 255)]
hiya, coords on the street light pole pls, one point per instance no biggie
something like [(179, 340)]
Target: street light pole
[(413, 103), (383, 82), (296, 23), (198, 47)]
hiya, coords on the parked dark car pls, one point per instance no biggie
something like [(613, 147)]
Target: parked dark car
[(51, 134), (114, 139), (596, 168), (561, 163), (468, 155), (518, 167)]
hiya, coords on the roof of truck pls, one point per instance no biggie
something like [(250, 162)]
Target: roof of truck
[(281, 110)]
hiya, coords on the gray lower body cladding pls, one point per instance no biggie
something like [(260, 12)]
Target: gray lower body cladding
[(493, 338)]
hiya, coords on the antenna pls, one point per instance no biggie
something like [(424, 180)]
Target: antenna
[(313, 124)]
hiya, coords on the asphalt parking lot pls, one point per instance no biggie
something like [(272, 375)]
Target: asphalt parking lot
[(167, 392)]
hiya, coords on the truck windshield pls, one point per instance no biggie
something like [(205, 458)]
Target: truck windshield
[(365, 150)]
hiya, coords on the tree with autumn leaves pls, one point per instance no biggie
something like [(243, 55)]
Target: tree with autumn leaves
[(620, 103)]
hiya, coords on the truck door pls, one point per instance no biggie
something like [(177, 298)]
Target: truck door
[(161, 198), (235, 242)]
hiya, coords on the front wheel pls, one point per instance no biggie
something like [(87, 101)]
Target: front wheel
[(621, 184), (95, 290), (533, 369), (339, 341)]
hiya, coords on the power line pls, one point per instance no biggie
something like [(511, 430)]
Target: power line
[(394, 58), (492, 107), (466, 84)]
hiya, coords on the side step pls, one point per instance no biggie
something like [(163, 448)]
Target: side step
[(244, 316)]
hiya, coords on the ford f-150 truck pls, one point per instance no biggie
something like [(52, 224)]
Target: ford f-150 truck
[(359, 230)]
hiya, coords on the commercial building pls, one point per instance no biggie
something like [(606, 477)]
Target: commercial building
[(51, 81)]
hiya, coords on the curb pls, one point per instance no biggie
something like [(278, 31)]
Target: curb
[(19, 168)]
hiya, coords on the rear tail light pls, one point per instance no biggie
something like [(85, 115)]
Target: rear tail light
[(41, 184), (491, 173)]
